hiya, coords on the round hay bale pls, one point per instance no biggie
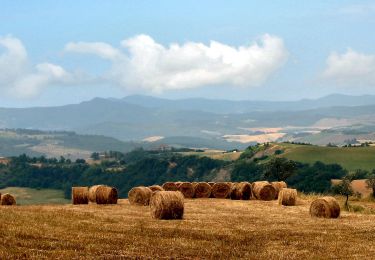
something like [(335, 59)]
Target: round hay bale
[(202, 190), (288, 197), (325, 207), (167, 205), (170, 186), (155, 188), (221, 190), (106, 195), (8, 200), (92, 193), (211, 183), (80, 195), (263, 190), (187, 189), (140, 196), (278, 185), (241, 191)]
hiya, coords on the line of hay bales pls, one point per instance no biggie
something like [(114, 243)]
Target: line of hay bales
[(262, 190), (99, 194)]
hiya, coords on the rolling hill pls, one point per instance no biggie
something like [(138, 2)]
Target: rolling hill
[(220, 123)]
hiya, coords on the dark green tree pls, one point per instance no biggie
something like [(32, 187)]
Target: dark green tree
[(279, 169)]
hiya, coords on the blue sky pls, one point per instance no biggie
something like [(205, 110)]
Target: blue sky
[(291, 49)]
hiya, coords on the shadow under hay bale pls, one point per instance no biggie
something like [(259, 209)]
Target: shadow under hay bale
[(140, 196), (92, 193), (8, 200), (106, 195), (263, 190), (288, 197), (80, 195), (187, 189), (325, 207), (156, 188), (167, 205), (170, 186), (202, 190), (221, 190), (241, 191), (278, 185)]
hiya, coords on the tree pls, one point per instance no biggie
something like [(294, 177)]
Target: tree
[(345, 187), (95, 156), (371, 182), (279, 169)]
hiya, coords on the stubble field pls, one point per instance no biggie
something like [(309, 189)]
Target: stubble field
[(211, 228)]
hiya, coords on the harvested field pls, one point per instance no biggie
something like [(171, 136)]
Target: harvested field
[(211, 228)]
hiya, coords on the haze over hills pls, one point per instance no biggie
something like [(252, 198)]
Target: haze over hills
[(213, 123), (245, 106)]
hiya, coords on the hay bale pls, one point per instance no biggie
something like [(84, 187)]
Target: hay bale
[(288, 197), (241, 191), (221, 190), (211, 183), (263, 190), (170, 186), (106, 195), (92, 193), (187, 189), (80, 195), (202, 190), (278, 185), (8, 200), (325, 207), (155, 188), (140, 196), (167, 205)]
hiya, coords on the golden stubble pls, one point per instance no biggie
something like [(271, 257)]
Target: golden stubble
[(211, 228)]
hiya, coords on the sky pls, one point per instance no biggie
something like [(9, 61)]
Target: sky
[(62, 52)]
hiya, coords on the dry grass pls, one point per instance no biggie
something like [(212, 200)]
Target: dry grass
[(211, 228)]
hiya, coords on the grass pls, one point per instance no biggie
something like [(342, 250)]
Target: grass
[(211, 228), (351, 158), (218, 155), (28, 196)]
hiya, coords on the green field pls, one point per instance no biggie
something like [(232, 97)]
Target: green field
[(28, 196), (351, 158)]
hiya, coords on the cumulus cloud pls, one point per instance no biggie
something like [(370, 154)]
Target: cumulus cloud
[(350, 69), (20, 78), (143, 63)]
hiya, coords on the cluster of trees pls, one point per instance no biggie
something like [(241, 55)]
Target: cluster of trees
[(304, 177), (137, 168), (141, 167)]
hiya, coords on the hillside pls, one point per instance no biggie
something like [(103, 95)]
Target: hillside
[(211, 229), (218, 123), (14, 142), (351, 158)]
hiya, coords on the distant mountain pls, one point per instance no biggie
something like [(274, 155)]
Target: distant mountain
[(137, 117), (246, 106)]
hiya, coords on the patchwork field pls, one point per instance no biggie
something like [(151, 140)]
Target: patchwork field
[(211, 228)]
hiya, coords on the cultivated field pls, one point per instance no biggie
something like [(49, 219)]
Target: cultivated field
[(211, 229)]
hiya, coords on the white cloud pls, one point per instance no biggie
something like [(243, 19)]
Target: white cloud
[(20, 78), (351, 69), (146, 64)]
